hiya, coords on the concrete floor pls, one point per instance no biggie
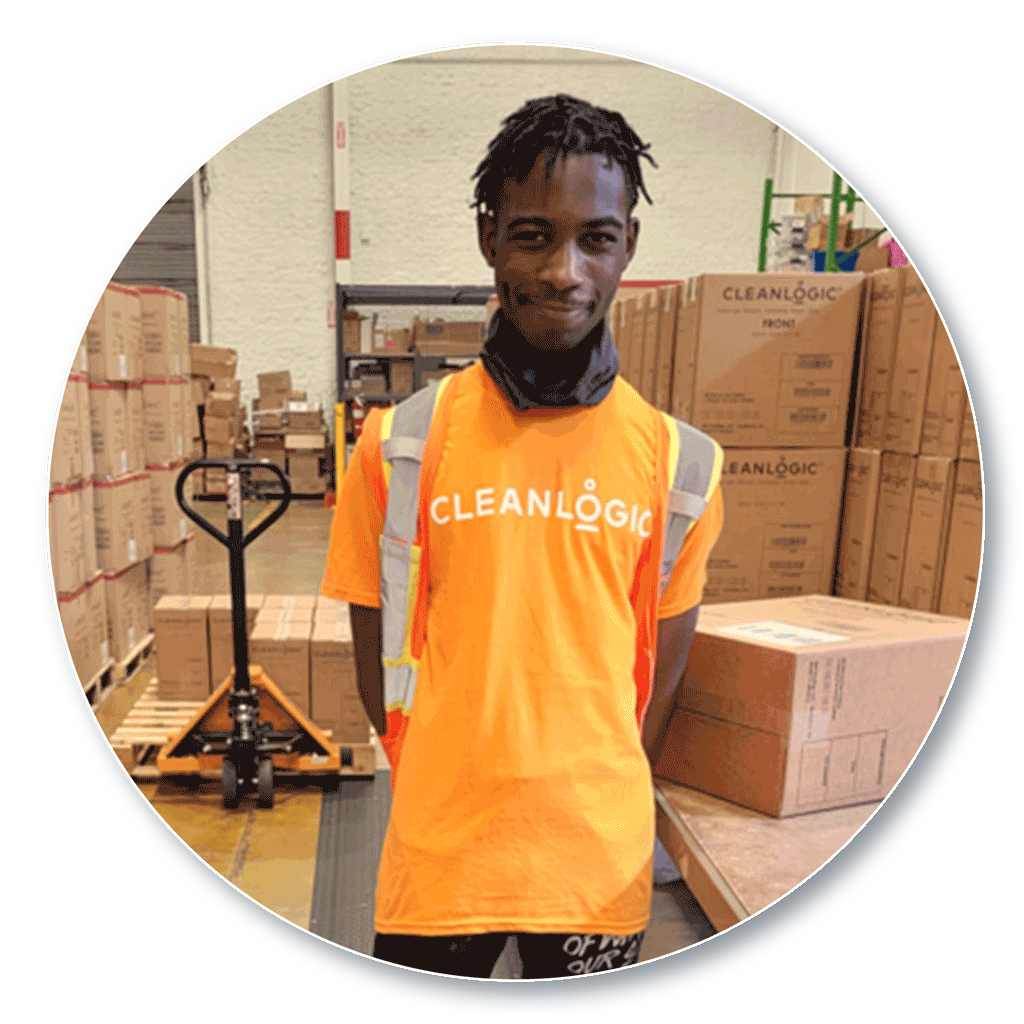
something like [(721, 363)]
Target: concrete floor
[(271, 854)]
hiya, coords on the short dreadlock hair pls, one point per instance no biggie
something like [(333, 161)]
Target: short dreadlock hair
[(557, 126)]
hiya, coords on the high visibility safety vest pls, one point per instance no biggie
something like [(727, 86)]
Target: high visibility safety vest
[(410, 451)]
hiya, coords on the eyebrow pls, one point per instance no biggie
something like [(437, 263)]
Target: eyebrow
[(599, 222)]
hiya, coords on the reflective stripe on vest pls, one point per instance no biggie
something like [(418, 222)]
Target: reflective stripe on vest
[(698, 465), (404, 432)]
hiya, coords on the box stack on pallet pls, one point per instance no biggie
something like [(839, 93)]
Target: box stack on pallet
[(912, 527), (171, 424), (763, 363), (224, 432), (80, 586), (290, 432)]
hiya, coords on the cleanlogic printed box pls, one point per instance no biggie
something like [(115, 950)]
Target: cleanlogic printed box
[(182, 647), (781, 523), (281, 649), (807, 703), (222, 644), (774, 357), (335, 701)]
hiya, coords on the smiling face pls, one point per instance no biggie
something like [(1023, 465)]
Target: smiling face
[(558, 246)]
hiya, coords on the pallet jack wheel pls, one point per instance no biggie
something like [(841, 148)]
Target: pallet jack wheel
[(265, 783), (229, 783)]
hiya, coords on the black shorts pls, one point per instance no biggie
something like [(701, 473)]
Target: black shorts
[(543, 955)]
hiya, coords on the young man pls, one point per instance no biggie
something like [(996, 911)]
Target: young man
[(523, 803)]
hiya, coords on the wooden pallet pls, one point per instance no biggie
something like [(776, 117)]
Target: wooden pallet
[(133, 661), (152, 722), (100, 685)]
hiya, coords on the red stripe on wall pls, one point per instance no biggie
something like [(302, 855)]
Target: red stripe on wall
[(342, 248)]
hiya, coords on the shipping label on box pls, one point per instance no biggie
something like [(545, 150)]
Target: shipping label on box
[(108, 410), (797, 705), (927, 532), (885, 297), (782, 523), (67, 537), (915, 336), (165, 442), (182, 647), (759, 335), (892, 521), (944, 404), (963, 550), (860, 505)]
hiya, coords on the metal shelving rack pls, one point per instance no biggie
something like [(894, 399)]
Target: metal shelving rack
[(393, 295)]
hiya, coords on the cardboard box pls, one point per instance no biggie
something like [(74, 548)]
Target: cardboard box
[(351, 331), (781, 523), (165, 441), (860, 506), (135, 427), (915, 338), (636, 317), (969, 436), (927, 533), (305, 442), (108, 411), (892, 521), (66, 463), (798, 705), (281, 650), (228, 384), (165, 350), (182, 647), (684, 360), (170, 525), (124, 521), (448, 337), (775, 358), (882, 315), (127, 608), (211, 361), (278, 608), (83, 620), (395, 340), (668, 307), (81, 384), (963, 549), (200, 388), (92, 565), (98, 653), (222, 650), (272, 383), (110, 336), (67, 537), (315, 420), (218, 430), (335, 703), (221, 403), (649, 361), (172, 570)]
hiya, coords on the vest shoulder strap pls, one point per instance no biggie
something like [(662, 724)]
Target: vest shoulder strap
[(695, 463)]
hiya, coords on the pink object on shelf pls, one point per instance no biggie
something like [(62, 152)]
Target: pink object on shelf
[(897, 257)]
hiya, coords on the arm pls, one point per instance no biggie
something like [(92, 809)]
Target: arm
[(675, 636), (366, 641)]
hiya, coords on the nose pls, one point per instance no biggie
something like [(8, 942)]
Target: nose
[(563, 270)]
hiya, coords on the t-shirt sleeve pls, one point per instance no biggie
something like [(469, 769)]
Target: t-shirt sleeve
[(353, 554), (686, 586)]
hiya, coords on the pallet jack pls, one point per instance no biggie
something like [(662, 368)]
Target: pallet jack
[(247, 727)]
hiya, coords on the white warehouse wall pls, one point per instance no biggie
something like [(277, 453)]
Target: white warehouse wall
[(417, 129)]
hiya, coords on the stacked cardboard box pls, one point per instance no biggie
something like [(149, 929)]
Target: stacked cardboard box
[(764, 364), (181, 625), (222, 653), (803, 704), (223, 418), (279, 644), (335, 703), (291, 433), (913, 433)]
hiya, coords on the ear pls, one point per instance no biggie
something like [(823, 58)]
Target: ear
[(632, 236), (487, 235)]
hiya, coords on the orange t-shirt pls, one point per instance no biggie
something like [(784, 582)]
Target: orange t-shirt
[(524, 801)]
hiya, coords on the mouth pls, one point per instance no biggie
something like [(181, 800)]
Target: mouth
[(561, 310)]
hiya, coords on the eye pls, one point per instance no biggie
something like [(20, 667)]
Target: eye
[(600, 240), (530, 237)]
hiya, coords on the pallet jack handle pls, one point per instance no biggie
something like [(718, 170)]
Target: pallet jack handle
[(235, 540)]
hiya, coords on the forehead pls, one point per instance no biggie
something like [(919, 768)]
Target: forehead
[(580, 187)]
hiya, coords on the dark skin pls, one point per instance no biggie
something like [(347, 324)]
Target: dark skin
[(558, 246)]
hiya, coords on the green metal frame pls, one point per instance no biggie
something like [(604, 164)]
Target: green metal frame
[(836, 197)]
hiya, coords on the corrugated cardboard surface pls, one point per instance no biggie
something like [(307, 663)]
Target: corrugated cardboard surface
[(171, 569), (182, 647), (211, 361), (222, 655), (775, 358), (83, 616), (66, 463), (170, 525), (335, 700), (281, 649), (860, 504), (124, 521), (915, 338), (963, 551), (113, 337), (927, 533), (807, 703), (892, 521), (885, 296), (67, 537), (108, 411), (163, 334), (781, 523), (164, 417), (945, 401), (127, 606)]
